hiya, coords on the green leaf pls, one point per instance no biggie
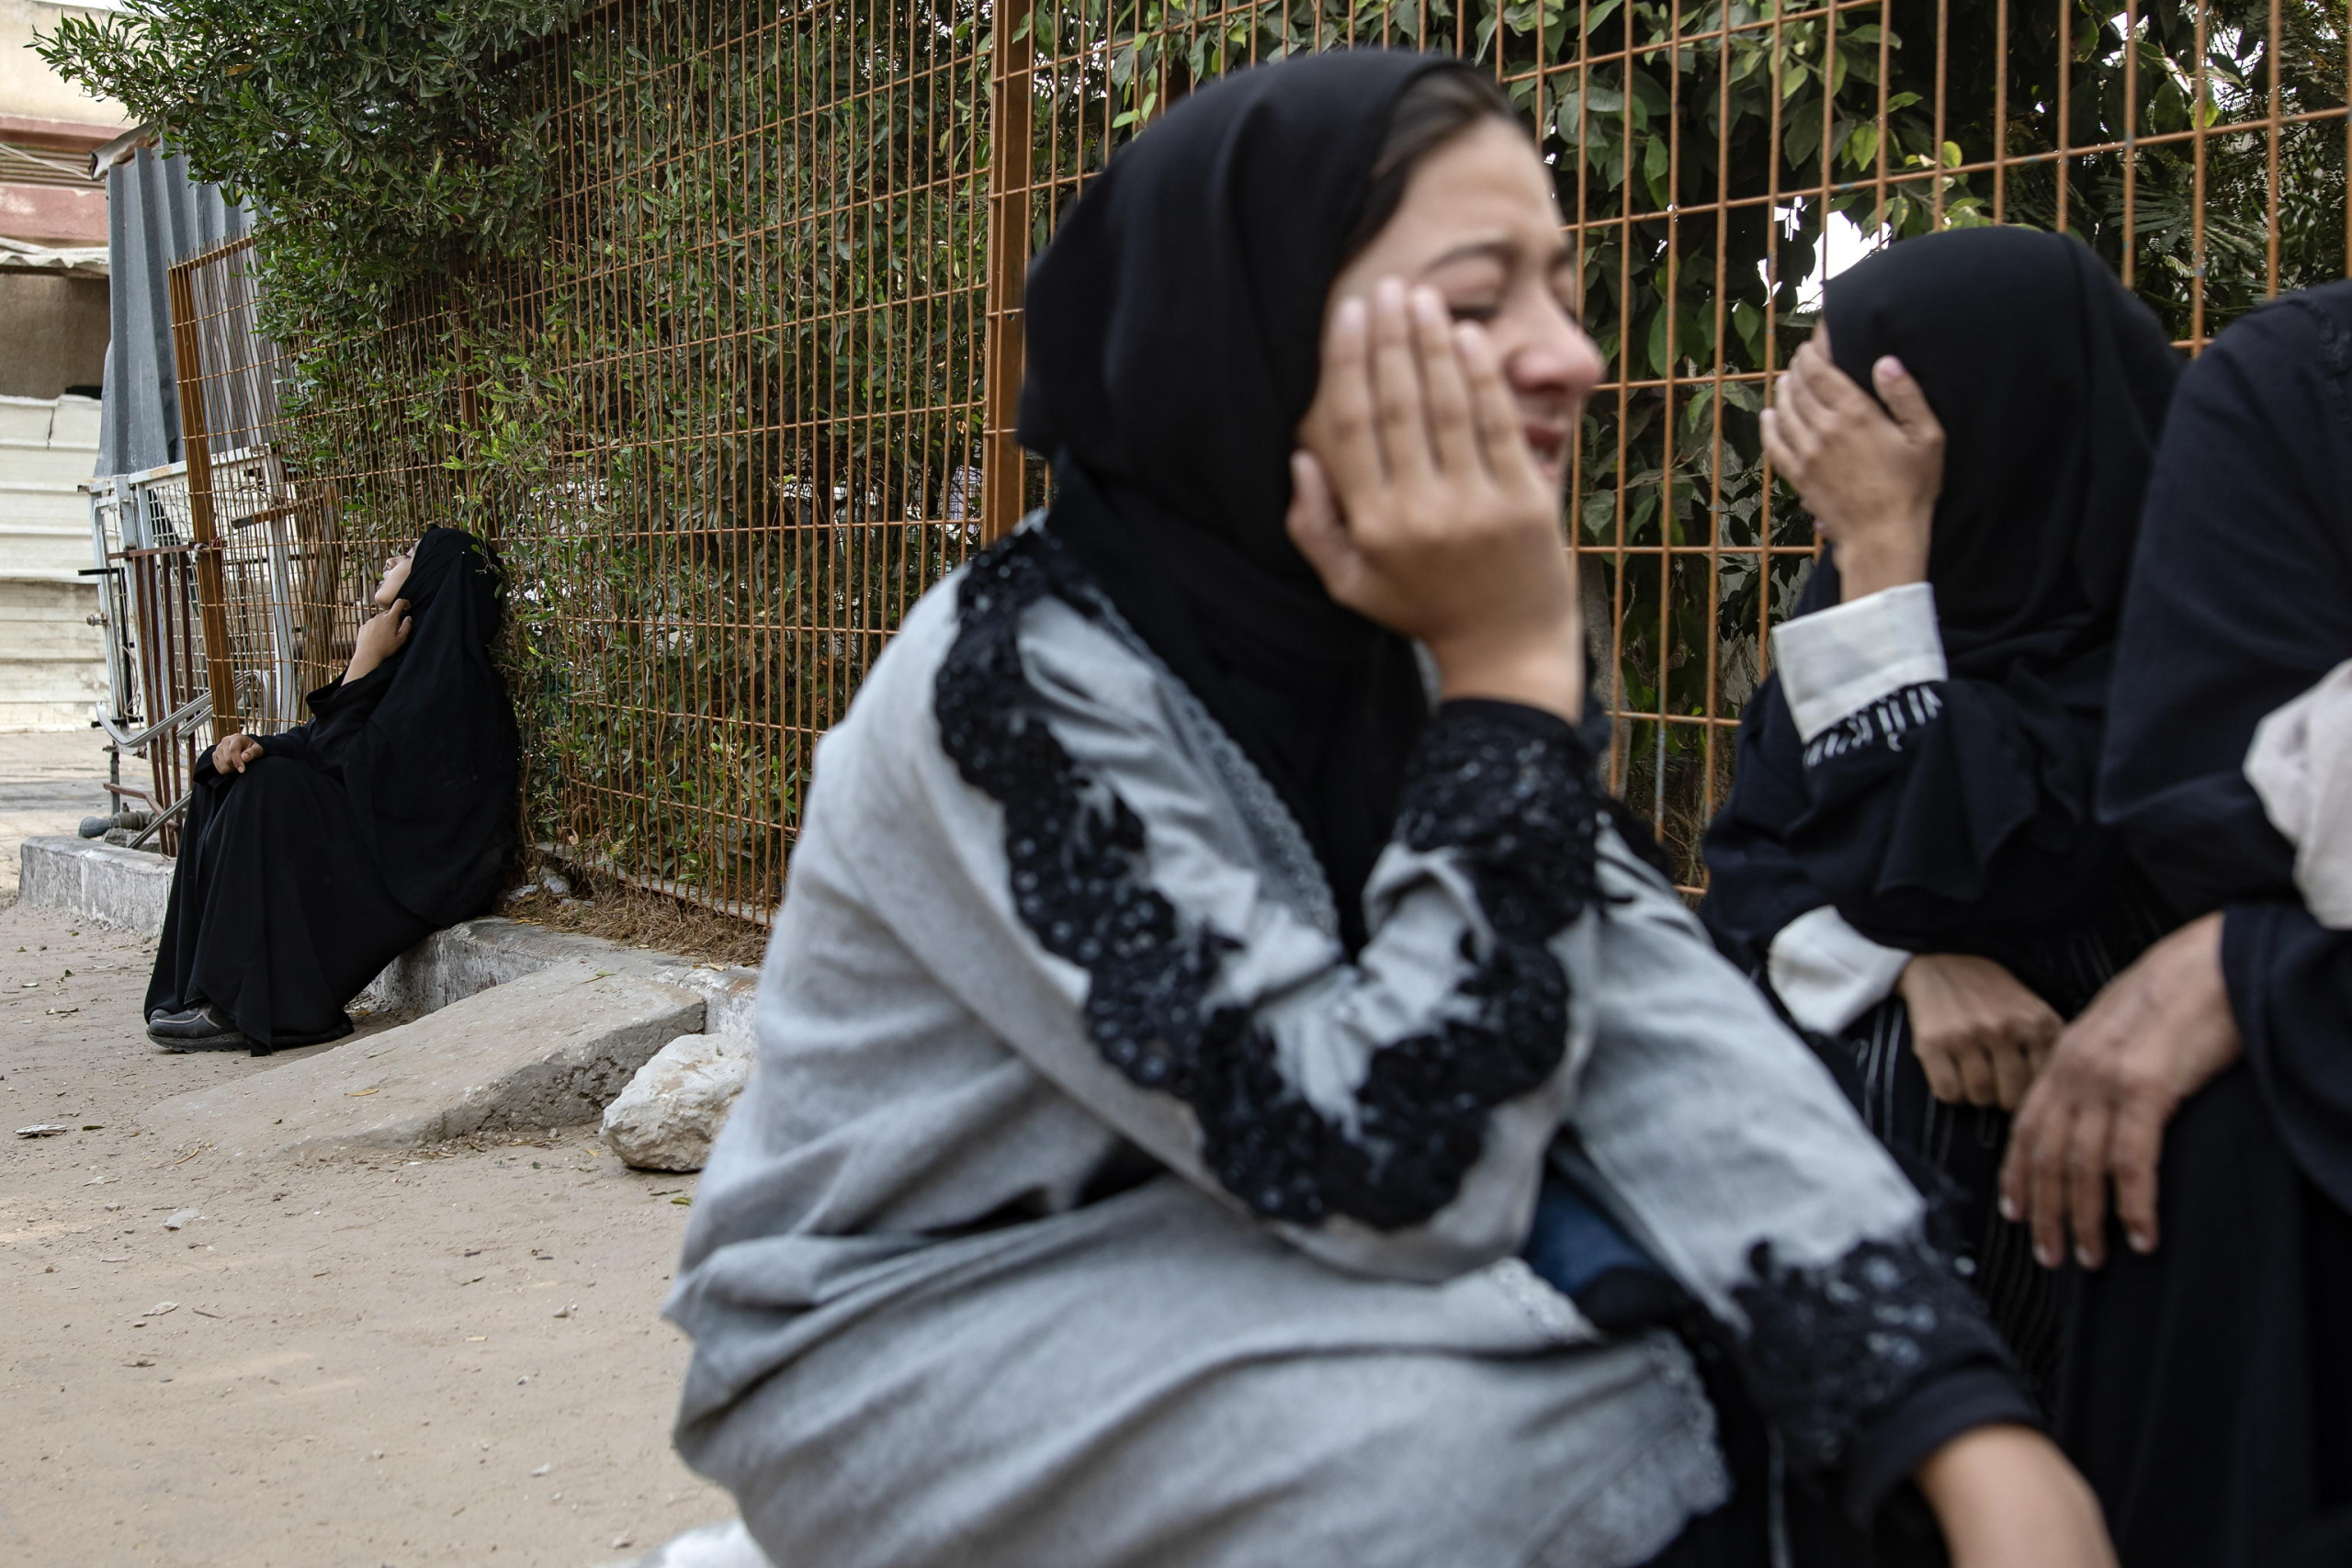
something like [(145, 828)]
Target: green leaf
[(1861, 147), (1748, 322)]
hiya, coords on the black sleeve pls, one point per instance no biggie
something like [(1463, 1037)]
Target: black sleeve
[(1756, 885), (2240, 600), (1863, 1419), (1939, 1409), (1952, 806), (2291, 990), (338, 711)]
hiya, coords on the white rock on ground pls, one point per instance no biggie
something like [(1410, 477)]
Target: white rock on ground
[(671, 1110), (728, 1545)]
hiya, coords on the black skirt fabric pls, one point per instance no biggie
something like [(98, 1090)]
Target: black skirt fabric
[(2208, 1394), (278, 915), (1953, 1154)]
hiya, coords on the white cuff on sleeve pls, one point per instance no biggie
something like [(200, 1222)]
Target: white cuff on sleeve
[(1840, 661), (1828, 974)]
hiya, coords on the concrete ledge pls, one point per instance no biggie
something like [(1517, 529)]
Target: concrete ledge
[(549, 1050), (473, 955), (124, 888), (128, 889)]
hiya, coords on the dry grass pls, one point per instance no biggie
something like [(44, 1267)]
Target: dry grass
[(603, 907)]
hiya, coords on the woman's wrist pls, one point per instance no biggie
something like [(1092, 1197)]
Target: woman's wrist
[(2005, 1494), (1544, 673), (1878, 559)]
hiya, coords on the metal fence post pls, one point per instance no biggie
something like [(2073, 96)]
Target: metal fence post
[(1003, 468), (211, 592)]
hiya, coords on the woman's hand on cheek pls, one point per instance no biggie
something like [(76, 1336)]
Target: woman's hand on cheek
[(1418, 502), (380, 635), (1871, 481)]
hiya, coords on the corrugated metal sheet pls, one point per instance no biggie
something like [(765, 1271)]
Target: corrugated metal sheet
[(156, 214)]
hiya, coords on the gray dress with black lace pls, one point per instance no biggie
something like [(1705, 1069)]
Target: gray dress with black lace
[(1090, 1205)]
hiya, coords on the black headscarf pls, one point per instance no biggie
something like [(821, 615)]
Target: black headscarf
[(2050, 381), (1174, 328), (2240, 600), (431, 776)]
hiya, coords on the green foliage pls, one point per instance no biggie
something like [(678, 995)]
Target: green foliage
[(722, 419), (383, 141)]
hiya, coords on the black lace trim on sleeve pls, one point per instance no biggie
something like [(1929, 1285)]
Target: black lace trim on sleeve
[(1509, 789), (1882, 723), (1831, 1350)]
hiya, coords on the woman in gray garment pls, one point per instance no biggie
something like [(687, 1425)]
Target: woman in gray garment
[(1179, 1004)]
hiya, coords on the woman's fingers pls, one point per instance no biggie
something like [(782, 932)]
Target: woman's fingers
[(1799, 399), (1836, 392), (2045, 1200), (1345, 425), (1905, 400), (2134, 1152), (2015, 1182), (2012, 1075), (1453, 436), (1778, 453), (1399, 409), (1977, 1077), (2086, 1181), (1315, 526), (1501, 438), (1944, 1080)]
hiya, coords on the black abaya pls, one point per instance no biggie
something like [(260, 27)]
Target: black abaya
[(2207, 1397), (1957, 815), (279, 916), (352, 837), (2208, 1394)]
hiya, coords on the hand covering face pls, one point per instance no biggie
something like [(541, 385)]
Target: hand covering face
[(2050, 381)]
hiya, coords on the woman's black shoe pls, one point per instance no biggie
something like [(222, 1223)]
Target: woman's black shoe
[(201, 1028)]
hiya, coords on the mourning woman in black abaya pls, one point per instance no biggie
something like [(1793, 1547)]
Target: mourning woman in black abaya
[(1909, 858), (312, 858), (2208, 1386)]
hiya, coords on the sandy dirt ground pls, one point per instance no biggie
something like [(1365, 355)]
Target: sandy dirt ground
[(50, 780), (453, 1358)]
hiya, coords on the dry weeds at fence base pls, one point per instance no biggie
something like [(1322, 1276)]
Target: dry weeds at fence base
[(616, 911)]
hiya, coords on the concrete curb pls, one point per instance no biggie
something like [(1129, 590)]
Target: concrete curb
[(549, 1050), (124, 888), (128, 889)]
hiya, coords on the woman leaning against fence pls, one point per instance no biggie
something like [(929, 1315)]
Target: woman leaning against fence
[(1910, 859), (313, 857), (1175, 1011)]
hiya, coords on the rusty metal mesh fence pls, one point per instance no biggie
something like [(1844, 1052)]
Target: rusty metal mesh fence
[(756, 392)]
